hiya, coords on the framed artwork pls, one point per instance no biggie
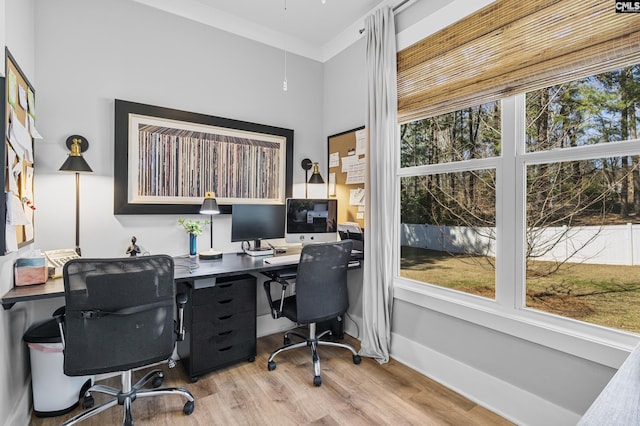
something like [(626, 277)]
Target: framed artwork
[(167, 159)]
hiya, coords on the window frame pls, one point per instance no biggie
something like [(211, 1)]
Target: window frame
[(508, 312)]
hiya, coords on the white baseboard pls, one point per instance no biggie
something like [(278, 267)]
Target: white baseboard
[(510, 402)]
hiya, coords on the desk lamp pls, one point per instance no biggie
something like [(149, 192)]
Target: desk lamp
[(315, 176), (75, 162), (210, 207)]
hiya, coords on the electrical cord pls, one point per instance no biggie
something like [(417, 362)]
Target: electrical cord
[(245, 246), (354, 323), (191, 264)]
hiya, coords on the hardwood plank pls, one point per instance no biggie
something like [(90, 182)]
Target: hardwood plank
[(249, 394)]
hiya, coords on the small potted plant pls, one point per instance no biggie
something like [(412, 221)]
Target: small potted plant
[(194, 228)]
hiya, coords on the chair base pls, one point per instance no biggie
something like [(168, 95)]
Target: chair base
[(313, 342), (128, 394)]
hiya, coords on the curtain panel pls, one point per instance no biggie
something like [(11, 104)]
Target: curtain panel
[(382, 202)]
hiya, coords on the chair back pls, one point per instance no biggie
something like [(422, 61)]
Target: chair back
[(119, 313), (321, 281)]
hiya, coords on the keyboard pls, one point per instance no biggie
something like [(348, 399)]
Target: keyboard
[(294, 259), (287, 259)]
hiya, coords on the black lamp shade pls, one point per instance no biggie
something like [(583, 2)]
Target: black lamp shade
[(209, 205), (316, 177), (75, 164)]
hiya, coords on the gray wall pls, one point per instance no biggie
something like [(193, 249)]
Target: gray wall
[(92, 52), (129, 51), (345, 90)]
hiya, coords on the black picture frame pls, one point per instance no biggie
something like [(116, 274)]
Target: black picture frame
[(126, 112)]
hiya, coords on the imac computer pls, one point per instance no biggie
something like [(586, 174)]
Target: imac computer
[(311, 220), (252, 223)]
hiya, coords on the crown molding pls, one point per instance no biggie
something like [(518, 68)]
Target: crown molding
[(198, 12), (224, 21)]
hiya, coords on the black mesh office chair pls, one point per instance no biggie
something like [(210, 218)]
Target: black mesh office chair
[(321, 294), (119, 315)]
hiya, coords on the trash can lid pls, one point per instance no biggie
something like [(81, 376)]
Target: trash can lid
[(43, 332)]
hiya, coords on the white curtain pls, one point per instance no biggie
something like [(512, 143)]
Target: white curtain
[(382, 193)]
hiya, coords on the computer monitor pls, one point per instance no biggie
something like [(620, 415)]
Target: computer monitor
[(311, 220), (256, 222)]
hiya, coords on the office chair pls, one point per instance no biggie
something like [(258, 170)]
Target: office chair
[(321, 294), (119, 315)]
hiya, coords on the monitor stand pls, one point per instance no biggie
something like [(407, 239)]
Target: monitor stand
[(258, 251)]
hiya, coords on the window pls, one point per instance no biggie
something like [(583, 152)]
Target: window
[(574, 201), (563, 164), (448, 217), (583, 206)]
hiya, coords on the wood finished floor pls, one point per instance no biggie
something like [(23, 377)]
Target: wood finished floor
[(249, 394)]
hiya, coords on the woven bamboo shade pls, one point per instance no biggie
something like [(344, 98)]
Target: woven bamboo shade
[(513, 46)]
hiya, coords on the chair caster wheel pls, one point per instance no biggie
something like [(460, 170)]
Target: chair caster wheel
[(317, 381), (188, 408), (85, 388), (287, 341), (87, 402), (251, 359), (157, 382), (357, 359), (271, 365)]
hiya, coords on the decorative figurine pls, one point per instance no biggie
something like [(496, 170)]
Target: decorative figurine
[(133, 249)]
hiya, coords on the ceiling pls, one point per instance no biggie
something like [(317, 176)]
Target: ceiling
[(309, 20), (308, 27)]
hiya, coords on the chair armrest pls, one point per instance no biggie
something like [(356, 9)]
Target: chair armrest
[(275, 306), (59, 312), (59, 315), (181, 301)]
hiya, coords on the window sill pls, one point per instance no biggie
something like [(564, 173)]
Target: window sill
[(594, 343)]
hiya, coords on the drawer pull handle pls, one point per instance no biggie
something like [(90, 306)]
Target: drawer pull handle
[(224, 333), (222, 302), (224, 349), (224, 285), (226, 317)]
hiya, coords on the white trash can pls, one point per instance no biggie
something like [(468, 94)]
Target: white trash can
[(54, 393)]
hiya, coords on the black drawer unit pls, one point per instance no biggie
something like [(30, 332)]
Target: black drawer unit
[(220, 323)]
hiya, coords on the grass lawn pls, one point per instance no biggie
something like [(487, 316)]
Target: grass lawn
[(607, 295)]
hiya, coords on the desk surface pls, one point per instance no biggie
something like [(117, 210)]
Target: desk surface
[(186, 269), (617, 404), (231, 264)]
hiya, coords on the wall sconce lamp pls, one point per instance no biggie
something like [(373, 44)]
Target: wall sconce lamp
[(210, 207), (75, 162), (315, 176)]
